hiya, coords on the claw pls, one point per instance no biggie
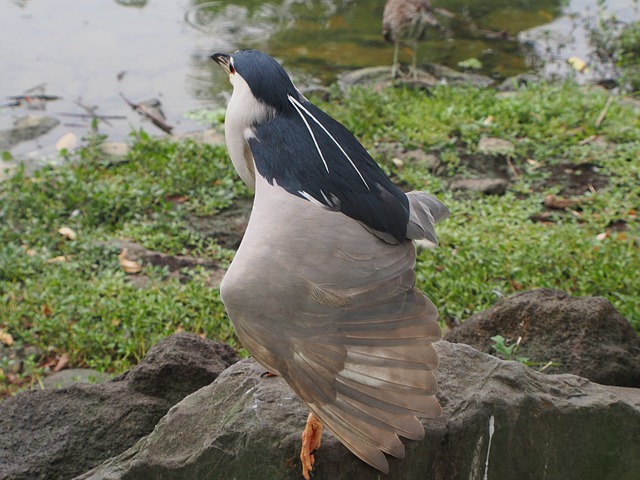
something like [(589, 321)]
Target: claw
[(311, 439)]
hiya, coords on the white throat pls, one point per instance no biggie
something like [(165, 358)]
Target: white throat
[(243, 113)]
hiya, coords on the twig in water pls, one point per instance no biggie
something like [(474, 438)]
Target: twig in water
[(142, 109), (92, 112)]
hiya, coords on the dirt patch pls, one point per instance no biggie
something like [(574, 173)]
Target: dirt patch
[(227, 226), (576, 179)]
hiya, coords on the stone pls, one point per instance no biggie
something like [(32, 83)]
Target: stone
[(71, 376), (495, 147), (401, 157), (450, 76), (379, 78), (26, 128), (488, 186), (501, 420), (584, 336), (115, 150), (516, 82), (60, 433)]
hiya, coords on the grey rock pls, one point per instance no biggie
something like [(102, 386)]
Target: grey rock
[(521, 80), (415, 156), (60, 433), (26, 128), (71, 376), (585, 336), (428, 76), (488, 186), (115, 151), (450, 76), (495, 147), (501, 420), (380, 77)]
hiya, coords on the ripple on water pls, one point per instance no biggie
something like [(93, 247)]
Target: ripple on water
[(238, 24)]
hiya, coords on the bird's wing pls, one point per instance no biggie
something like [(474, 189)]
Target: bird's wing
[(313, 156), (369, 379), (333, 309)]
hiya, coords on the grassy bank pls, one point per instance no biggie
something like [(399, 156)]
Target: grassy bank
[(62, 295)]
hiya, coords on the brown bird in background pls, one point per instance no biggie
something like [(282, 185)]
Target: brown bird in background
[(404, 20)]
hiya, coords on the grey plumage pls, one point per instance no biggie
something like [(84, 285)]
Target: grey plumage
[(407, 20), (319, 292)]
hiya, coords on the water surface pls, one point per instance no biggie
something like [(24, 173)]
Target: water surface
[(91, 50)]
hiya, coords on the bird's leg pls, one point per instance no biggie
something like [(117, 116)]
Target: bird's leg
[(311, 438), (415, 60), (394, 66)]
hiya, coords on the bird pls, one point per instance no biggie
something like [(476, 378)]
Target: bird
[(407, 20), (321, 290)]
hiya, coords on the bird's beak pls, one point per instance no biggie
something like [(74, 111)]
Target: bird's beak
[(223, 60)]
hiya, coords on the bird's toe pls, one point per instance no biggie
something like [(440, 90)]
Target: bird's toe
[(311, 440)]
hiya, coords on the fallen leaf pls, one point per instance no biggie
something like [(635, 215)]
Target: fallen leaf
[(560, 203), (6, 338), (578, 64), (59, 258), (129, 266), (398, 162), (177, 198), (46, 310), (603, 235), (533, 163), (63, 362), (67, 233), (488, 120)]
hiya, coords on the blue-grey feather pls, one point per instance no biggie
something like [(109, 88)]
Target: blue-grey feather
[(268, 81), (284, 151)]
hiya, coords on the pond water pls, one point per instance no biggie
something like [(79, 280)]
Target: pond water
[(88, 52)]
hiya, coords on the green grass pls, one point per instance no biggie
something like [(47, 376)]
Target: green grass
[(60, 296), (489, 247)]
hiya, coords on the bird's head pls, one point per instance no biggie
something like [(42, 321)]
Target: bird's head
[(264, 77)]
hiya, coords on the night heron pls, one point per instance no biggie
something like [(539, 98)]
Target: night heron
[(404, 20), (321, 290)]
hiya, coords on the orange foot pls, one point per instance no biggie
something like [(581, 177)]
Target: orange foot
[(311, 438)]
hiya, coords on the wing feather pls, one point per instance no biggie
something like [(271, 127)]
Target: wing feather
[(310, 154)]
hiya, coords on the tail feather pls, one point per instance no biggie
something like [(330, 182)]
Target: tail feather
[(425, 212)]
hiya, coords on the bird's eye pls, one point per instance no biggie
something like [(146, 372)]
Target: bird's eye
[(232, 69)]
